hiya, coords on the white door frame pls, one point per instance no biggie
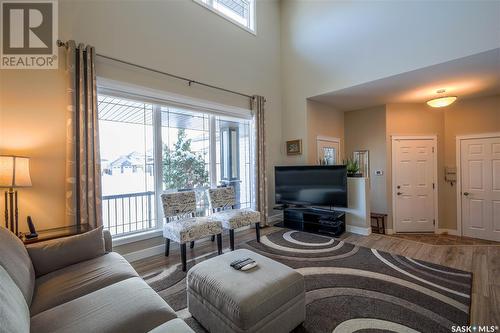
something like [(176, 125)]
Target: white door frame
[(328, 139), (458, 145), (434, 162)]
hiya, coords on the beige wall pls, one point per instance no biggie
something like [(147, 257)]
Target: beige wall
[(323, 120), (331, 45), (32, 123), (180, 37), (363, 129), (366, 130)]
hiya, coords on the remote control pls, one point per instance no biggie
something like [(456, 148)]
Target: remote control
[(243, 264), (249, 266), (237, 261)]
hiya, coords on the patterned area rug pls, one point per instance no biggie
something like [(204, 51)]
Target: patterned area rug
[(350, 288)]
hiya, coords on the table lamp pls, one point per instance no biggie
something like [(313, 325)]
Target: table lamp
[(14, 173)]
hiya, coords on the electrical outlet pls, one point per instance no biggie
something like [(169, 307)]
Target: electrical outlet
[(379, 172)]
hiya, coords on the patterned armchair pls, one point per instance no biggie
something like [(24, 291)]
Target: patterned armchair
[(183, 226), (222, 201)]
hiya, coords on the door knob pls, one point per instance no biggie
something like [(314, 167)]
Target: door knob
[(399, 193), (466, 193)]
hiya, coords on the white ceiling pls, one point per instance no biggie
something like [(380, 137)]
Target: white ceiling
[(472, 76)]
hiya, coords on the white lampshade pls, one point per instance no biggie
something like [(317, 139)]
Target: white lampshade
[(441, 101), (14, 171)]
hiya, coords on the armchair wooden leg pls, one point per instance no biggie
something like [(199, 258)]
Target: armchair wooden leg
[(219, 244), (167, 247), (213, 238), (257, 231), (191, 245), (183, 256), (231, 239)]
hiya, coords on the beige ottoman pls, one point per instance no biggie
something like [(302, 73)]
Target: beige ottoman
[(268, 298)]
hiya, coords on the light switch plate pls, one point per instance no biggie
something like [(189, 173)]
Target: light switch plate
[(379, 172)]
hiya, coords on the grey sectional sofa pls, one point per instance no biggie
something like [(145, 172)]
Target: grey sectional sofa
[(76, 284)]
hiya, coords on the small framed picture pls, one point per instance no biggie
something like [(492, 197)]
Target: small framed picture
[(294, 147), (362, 157)]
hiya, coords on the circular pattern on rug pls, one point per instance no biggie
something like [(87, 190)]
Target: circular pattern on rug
[(349, 288)]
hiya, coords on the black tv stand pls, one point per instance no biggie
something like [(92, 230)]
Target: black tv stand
[(316, 220)]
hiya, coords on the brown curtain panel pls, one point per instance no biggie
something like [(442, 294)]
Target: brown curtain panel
[(83, 171), (258, 103)]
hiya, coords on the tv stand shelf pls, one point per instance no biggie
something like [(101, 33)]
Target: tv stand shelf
[(330, 222)]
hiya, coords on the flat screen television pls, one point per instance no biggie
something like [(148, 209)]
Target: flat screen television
[(311, 185)]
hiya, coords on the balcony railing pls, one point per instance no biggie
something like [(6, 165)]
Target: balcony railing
[(128, 213)]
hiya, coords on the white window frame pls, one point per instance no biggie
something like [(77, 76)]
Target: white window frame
[(252, 16), (160, 98)]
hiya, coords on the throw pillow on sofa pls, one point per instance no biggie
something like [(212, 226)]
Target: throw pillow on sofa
[(53, 255)]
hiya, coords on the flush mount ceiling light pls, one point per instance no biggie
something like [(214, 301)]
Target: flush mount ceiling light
[(441, 101)]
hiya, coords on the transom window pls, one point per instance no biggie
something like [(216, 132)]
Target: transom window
[(240, 12), (149, 148)]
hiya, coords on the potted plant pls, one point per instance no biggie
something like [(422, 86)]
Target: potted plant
[(352, 168)]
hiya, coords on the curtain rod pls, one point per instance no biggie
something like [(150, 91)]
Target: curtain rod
[(189, 81)]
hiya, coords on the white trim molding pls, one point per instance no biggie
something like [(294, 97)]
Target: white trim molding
[(458, 143), (328, 138), (126, 239), (359, 230), (453, 232), (253, 22)]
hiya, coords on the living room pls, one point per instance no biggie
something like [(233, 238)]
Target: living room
[(200, 100)]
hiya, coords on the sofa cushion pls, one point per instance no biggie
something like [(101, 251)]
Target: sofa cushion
[(173, 326), (236, 218), (190, 229), (127, 306), (17, 263), (14, 312), (79, 279), (58, 253)]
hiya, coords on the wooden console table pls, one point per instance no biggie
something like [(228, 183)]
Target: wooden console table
[(48, 234)]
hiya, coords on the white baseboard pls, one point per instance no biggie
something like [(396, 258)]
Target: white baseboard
[(453, 232), (359, 230)]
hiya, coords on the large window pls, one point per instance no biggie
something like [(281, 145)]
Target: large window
[(127, 165), (240, 12), (150, 148)]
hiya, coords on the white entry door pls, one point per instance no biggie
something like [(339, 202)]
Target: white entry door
[(480, 187), (414, 190)]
